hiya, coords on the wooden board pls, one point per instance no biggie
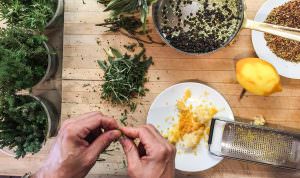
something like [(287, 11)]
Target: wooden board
[(83, 46), (82, 79)]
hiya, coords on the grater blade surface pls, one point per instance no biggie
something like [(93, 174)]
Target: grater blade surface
[(260, 144)]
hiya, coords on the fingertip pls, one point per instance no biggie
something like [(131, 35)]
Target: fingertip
[(126, 143), (122, 128), (108, 123), (130, 132), (115, 134)]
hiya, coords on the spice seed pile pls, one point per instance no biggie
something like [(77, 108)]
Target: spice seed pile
[(209, 27), (285, 15)]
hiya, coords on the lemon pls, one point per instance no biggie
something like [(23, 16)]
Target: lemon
[(257, 76)]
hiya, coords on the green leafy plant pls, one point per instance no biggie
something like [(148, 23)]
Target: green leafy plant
[(124, 77), (123, 7), (129, 23), (23, 59), (23, 124), (31, 14)]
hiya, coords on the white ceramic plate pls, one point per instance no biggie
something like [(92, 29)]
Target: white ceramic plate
[(284, 68), (164, 106)]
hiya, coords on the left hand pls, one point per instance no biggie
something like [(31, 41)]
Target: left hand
[(74, 152)]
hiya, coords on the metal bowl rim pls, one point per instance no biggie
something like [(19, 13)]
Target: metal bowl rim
[(155, 19)]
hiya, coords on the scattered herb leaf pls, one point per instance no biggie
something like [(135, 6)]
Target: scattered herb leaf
[(130, 47)]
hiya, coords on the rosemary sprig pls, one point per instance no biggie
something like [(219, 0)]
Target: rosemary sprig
[(129, 23), (124, 77)]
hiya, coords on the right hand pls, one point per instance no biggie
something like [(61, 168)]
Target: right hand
[(153, 158)]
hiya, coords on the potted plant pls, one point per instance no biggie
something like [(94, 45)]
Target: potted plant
[(31, 14), (25, 59), (25, 123)]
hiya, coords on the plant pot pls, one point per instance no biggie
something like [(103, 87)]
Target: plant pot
[(52, 64), (52, 116), (59, 11), (52, 122)]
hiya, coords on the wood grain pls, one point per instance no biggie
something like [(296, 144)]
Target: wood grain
[(83, 46)]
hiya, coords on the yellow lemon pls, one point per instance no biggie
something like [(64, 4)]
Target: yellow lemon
[(257, 76)]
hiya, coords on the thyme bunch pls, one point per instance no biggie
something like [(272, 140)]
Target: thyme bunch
[(23, 124), (124, 77), (23, 58)]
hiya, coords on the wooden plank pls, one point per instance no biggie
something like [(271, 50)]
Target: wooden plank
[(156, 87)]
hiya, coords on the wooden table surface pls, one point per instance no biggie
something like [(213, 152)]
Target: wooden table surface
[(81, 82)]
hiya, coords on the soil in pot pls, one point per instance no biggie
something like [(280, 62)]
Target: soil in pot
[(23, 124), (23, 59), (31, 14)]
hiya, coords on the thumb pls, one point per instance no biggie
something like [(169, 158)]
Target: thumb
[(131, 151), (103, 141)]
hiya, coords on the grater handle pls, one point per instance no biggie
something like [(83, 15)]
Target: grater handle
[(212, 126), (297, 156)]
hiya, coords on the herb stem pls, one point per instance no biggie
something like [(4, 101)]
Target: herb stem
[(139, 40)]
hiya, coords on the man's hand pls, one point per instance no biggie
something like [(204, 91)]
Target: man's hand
[(78, 145), (154, 156)]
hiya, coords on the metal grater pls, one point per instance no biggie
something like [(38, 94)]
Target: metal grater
[(254, 143)]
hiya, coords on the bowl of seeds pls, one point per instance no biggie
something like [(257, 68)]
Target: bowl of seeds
[(283, 53), (205, 26), (197, 26)]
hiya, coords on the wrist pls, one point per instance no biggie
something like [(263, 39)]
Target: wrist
[(46, 172)]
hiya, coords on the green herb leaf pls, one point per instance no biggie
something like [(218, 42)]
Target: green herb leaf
[(124, 78), (23, 124), (125, 7), (116, 53), (30, 14), (102, 65), (23, 58)]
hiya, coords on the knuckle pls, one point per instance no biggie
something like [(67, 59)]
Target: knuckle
[(144, 128), (172, 149), (163, 152), (68, 131), (169, 149)]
